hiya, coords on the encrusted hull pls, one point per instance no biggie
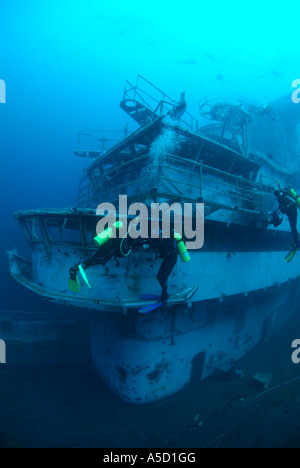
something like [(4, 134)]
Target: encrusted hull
[(243, 297), (118, 288), (145, 359)]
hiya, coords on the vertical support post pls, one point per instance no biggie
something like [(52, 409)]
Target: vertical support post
[(44, 230), (26, 232), (46, 235), (262, 194)]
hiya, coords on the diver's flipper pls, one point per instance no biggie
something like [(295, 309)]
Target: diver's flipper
[(186, 292), (150, 308), (84, 277), (291, 255), (74, 285)]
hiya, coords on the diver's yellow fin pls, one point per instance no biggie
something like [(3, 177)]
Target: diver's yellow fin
[(74, 285), (291, 255)]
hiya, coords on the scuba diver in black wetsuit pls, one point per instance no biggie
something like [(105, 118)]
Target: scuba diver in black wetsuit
[(288, 205), (111, 248), (168, 249), (115, 248), (169, 252)]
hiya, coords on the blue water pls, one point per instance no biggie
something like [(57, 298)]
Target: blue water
[(65, 64)]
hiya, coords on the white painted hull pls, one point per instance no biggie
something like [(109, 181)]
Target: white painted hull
[(242, 298), (117, 288), (146, 359)]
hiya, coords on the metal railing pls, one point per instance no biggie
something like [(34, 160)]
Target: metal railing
[(176, 178), (156, 100), (90, 142)]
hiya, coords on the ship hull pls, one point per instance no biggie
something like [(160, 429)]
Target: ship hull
[(217, 271), (243, 296), (145, 359)]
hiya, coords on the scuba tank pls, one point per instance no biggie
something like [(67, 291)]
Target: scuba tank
[(102, 238), (294, 195), (184, 255), (289, 191)]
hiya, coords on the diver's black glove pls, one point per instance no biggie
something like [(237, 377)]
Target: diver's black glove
[(275, 219)]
